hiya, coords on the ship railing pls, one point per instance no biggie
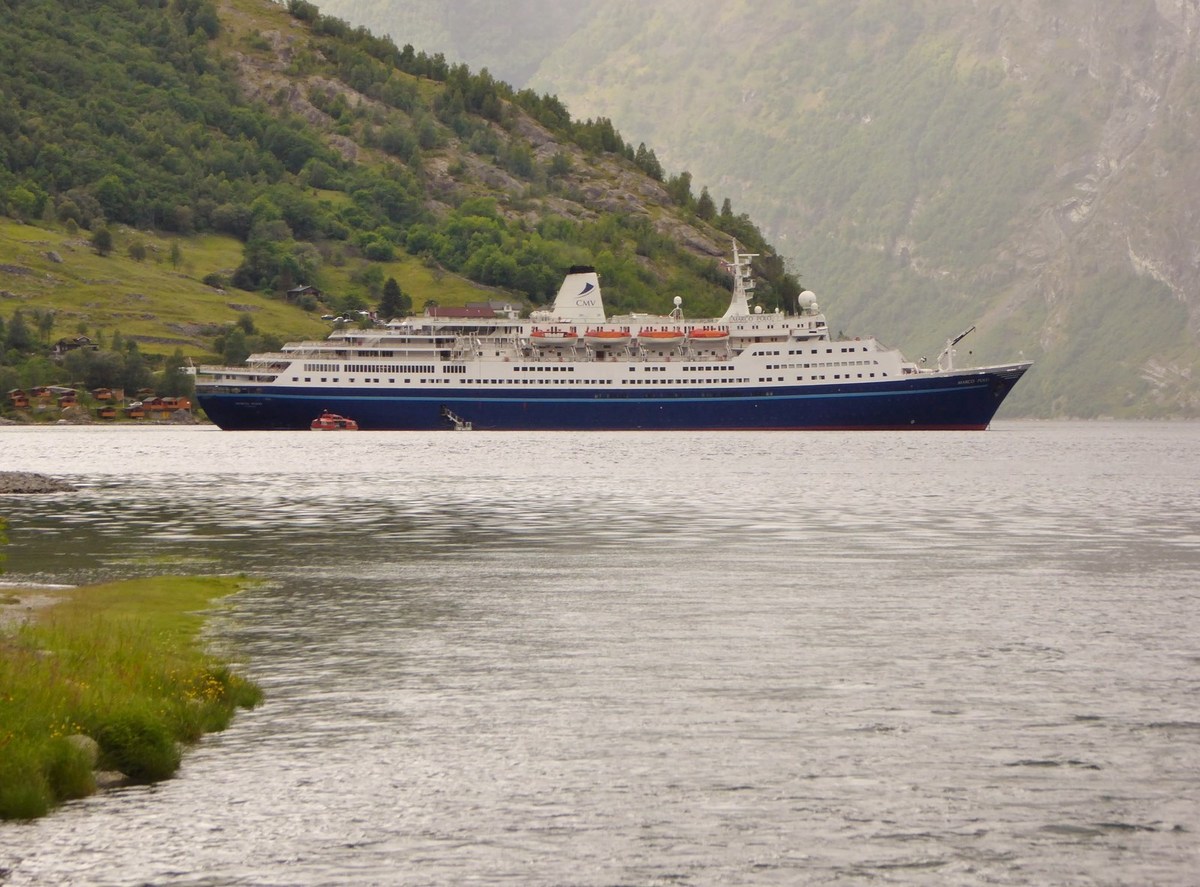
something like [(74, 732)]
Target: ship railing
[(272, 359), (216, 370)]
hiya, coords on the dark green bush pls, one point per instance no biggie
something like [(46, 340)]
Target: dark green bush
[(138, 745)]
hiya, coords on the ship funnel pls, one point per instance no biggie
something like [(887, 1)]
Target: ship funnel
[(579, 298)]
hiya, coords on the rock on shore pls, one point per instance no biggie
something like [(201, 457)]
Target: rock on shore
[(27, 482)]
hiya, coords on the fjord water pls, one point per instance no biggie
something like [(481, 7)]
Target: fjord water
[(703, 659)]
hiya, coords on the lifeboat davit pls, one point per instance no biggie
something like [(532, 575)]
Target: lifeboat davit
[(708, 334), (664, 338), (606, 338), (328, 421), (552, 338)]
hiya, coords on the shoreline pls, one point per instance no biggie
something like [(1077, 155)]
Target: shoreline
[(107, 685), (19, 483), (20, 603)]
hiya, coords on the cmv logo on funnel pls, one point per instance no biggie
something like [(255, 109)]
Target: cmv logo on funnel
[(580, 300)]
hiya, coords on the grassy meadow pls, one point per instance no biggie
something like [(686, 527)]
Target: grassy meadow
[(120, 663), (161, 301)]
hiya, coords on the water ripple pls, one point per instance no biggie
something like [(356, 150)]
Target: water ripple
[(553, 659)]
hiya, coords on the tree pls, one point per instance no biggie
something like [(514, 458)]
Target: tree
[(134, 372), (394, 302), (174, 381), (680, 188), (648, 163), (44, 318), (705, 208), (560, 164), (102, 241), (236, 350), (24, 203), (18, 336)]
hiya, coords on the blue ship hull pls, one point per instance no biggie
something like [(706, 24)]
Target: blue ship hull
[(963, 400)]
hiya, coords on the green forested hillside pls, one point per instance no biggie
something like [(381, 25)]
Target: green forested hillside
[(1025, 166), (157, 154)]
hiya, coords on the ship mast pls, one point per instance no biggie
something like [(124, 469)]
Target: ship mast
[(743, 283)]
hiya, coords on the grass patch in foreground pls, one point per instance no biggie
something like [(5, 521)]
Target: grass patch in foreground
[(119, 663)]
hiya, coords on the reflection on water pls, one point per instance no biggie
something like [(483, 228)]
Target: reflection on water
[(643, 658)]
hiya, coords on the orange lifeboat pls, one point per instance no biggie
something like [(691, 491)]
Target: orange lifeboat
[(598, 338), (552, 337), (708, 333), (664, 338), (328, 421)]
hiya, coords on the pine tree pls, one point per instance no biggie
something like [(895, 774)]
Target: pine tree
[(394, 302), (680, 188)]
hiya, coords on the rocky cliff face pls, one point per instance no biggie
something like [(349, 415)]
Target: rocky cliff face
[(1120, 200), (1135, 69)]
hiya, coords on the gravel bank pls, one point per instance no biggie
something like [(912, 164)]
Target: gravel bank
[(14, 482)]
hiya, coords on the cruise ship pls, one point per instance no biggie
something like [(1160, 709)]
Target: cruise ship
[(573, 368)]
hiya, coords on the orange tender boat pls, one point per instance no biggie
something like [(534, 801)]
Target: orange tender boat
[(328, 421)]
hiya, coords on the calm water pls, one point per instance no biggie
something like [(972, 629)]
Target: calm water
[(641, 659)]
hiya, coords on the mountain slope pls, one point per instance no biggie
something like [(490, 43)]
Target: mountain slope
[(927, 166), (924, 164), (329, 157)]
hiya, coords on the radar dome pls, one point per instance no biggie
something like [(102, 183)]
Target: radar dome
[(807, 301)]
